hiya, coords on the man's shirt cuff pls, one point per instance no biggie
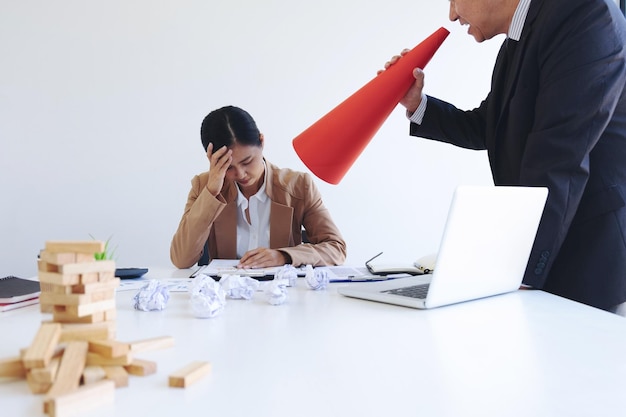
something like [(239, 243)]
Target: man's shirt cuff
[(418, 116)]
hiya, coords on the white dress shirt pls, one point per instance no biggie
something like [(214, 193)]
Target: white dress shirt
[(256, 233)]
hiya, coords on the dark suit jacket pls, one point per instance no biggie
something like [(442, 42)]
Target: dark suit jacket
[(556, 117)]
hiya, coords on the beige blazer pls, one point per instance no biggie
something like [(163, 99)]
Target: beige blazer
[(296, 204)]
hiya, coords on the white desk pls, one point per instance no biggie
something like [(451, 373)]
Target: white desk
[(321, 354)]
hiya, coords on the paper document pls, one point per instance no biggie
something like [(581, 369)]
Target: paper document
[(220, 267)]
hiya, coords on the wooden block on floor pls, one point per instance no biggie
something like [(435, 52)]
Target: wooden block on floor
[(109, 348), (85, 398), (37, 387), (87, 331), (42, 348), (70, 369), (46, 375), (93, 374), (189, 374), (99, 360), (76, 246), (154, 343), (117, 374), (12, 368), (141, 367), (87, 267)]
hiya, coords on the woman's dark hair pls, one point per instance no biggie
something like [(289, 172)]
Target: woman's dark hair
[(227, 125)]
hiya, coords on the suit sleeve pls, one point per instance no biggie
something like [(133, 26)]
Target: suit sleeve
[(201, 210), (327, 246)]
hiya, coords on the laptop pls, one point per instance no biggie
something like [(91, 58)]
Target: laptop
[(484, 250)]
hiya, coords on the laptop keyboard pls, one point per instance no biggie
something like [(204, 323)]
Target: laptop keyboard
[(414, 291)]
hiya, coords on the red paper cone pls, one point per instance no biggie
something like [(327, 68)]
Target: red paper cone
[(330, 146)]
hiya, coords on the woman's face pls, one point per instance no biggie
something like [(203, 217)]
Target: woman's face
[(247, 168)]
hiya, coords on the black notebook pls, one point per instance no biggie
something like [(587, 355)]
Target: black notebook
[(14, 289)]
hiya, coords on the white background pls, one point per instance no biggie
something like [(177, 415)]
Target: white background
[(101, 104)]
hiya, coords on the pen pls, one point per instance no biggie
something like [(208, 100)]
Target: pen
[(197, 271)]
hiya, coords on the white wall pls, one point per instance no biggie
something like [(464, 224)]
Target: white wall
[(101, 104)]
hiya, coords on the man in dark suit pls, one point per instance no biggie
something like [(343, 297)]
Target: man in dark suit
[(555, 117)]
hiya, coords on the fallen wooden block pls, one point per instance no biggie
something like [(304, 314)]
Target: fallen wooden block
[(152, 344), (47, 374), (37, 387), (92, 374), (12, 368), (39, 353), (95, 359), (141, 367), (70, 369), (189, 374), (109, 348), (84, 398), (117, 374)]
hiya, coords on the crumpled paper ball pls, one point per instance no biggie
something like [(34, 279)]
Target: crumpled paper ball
[(316, 279), (287, 272), (208, 298), (276, 291), (152, 296), (238, 287)]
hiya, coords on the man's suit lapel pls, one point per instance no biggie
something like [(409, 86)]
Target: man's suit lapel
[(507, 69)]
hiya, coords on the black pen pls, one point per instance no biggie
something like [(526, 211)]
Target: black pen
[(197, 271)]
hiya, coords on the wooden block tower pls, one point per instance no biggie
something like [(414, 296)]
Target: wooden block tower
[(74, 359), (75, 288)]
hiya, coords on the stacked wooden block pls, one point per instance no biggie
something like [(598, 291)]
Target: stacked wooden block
[(73, 359), (75, 288)]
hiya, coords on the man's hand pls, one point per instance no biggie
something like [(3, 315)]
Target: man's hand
[(413, 96)]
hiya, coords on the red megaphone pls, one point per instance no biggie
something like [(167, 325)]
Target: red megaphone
[(330, 146)]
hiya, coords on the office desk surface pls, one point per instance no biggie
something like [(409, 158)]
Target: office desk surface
[(527, 353)]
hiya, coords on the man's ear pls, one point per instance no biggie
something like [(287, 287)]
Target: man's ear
[(262, 140)]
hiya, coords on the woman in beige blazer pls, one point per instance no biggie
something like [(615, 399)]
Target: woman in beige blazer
[(248, 208)]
